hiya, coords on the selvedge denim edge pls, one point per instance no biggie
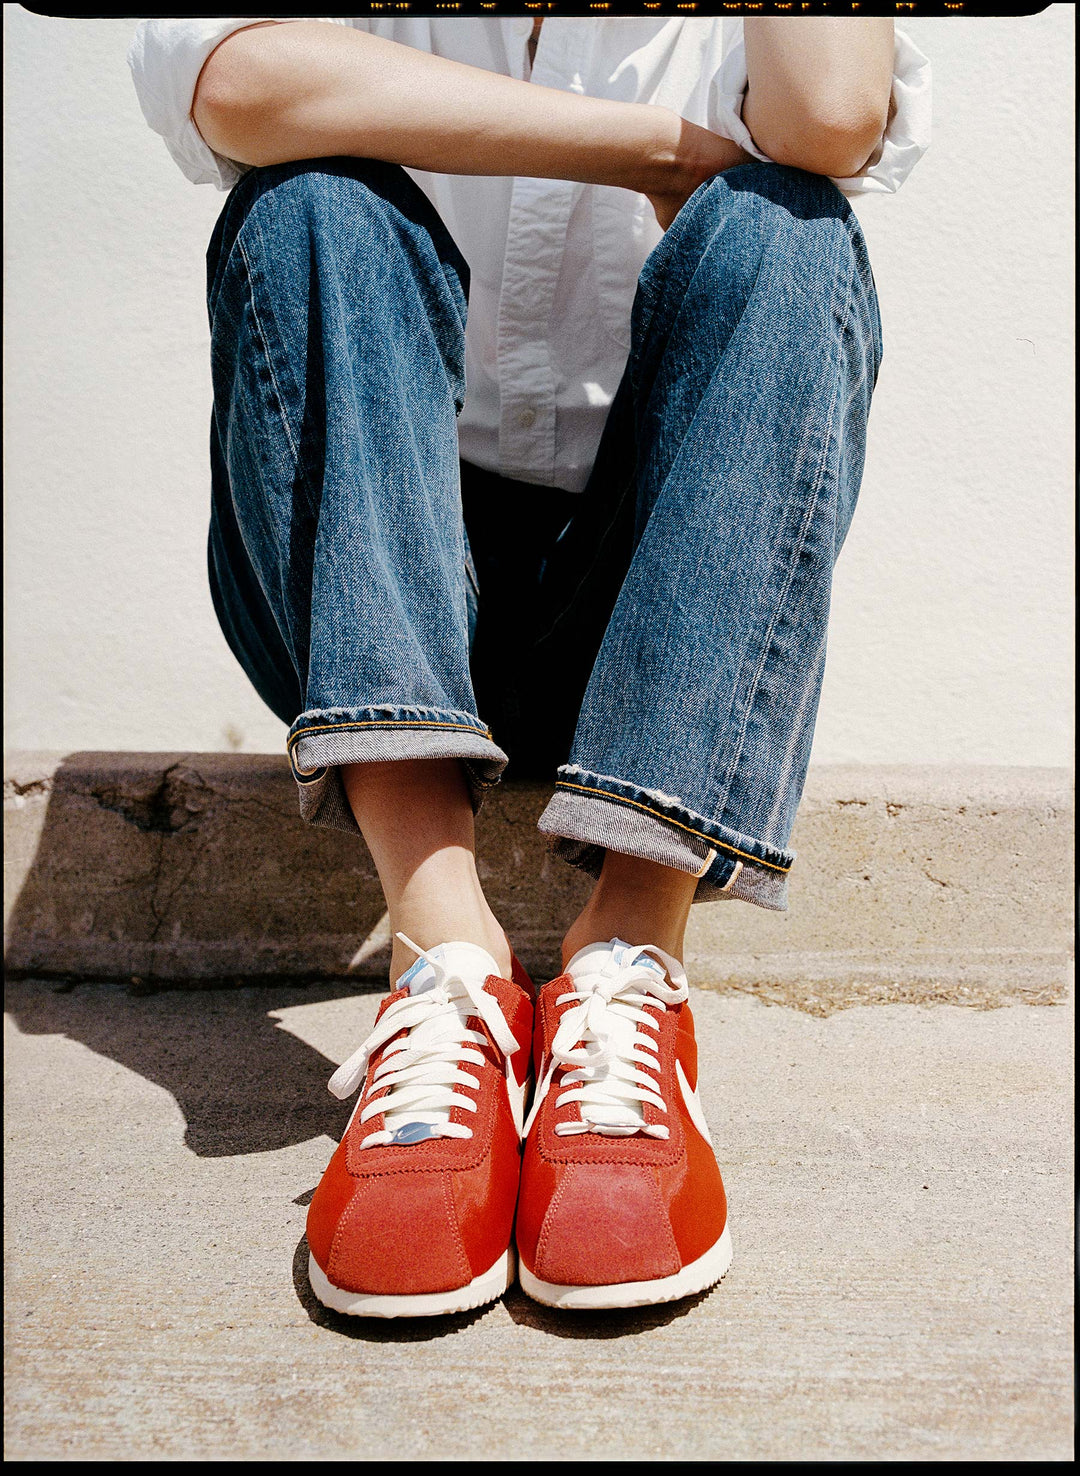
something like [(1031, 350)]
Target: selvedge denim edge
[(320, 742), (591, 813)]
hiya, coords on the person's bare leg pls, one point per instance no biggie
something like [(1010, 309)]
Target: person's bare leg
[(637, 901), (417, 820)]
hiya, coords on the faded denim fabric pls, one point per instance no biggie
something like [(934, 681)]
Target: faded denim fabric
[(337, 558), (660, 636)]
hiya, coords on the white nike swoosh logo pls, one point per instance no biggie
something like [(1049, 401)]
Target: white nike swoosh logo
[(692, 1103), (516, 1091), (546, 1074)]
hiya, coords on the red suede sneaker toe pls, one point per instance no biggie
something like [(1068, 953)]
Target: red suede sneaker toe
[(621, 1201)]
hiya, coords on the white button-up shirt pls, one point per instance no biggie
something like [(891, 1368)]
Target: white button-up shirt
[(554, 264)]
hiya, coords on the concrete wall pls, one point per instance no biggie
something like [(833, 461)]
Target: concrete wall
[(914, 885), (951, 631)]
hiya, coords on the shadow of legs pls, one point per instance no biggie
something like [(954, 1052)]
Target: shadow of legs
[(244, 1084)]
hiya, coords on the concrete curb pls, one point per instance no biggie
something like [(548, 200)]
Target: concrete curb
[(916, 885)]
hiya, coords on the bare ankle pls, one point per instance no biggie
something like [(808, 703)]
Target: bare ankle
[(637, 901), (417, 819)]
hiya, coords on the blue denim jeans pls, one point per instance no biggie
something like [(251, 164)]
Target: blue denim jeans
[(659, 639)]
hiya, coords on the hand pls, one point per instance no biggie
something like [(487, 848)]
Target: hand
[(699, 155), (667, 207)]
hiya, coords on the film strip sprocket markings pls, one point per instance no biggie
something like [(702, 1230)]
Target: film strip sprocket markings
[(386, 9)]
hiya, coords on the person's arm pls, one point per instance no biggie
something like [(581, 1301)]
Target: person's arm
[(304, 89), (819, 89)]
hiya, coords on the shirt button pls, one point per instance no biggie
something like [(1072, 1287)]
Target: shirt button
[(526, 419)]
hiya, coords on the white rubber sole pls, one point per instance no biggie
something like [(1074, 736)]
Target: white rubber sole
[(700, 1274), (484, 1288)]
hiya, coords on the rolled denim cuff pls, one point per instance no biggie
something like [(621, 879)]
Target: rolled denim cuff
[(320, 741), (590, 814)]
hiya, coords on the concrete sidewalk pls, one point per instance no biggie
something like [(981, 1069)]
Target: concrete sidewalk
[(900, 1182)]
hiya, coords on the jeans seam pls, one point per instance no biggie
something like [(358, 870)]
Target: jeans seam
[(293, 447), (660, 815), (819, 478)]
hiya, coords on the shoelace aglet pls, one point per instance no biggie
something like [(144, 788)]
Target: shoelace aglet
[(420, 952), (350, 1073)]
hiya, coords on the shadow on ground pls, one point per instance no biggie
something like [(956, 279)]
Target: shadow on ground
[(243, 1083)]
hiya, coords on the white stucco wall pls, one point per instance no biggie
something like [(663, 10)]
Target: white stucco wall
[(951, 633)]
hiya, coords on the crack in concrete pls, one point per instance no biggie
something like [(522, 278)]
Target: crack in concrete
[(160, 914), (172, 794), (13, 788), (167, 809), (164, 811)]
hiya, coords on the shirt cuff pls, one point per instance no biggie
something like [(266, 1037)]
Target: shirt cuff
[(906, 137), (166, 57)]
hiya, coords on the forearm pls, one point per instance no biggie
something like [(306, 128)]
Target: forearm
[(305, 89), (819, 89)]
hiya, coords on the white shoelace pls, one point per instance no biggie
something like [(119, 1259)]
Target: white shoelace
[(423, 1068), (608, 1040)]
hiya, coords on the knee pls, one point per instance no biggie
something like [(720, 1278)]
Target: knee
[(756, 212), (804, 196), (767, 239), (323, 194), (355, 219)]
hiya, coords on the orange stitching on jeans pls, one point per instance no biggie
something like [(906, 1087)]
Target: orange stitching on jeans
[(619, 800), (374, 723)]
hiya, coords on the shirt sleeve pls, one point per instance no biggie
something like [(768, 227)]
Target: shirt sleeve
[(166, 57), (906, 137)]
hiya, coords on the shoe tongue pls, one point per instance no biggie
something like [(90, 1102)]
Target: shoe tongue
[(465, 960), (608, 959)]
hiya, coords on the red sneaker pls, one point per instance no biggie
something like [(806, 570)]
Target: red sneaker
[(414, 1215), (621, 1199)]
